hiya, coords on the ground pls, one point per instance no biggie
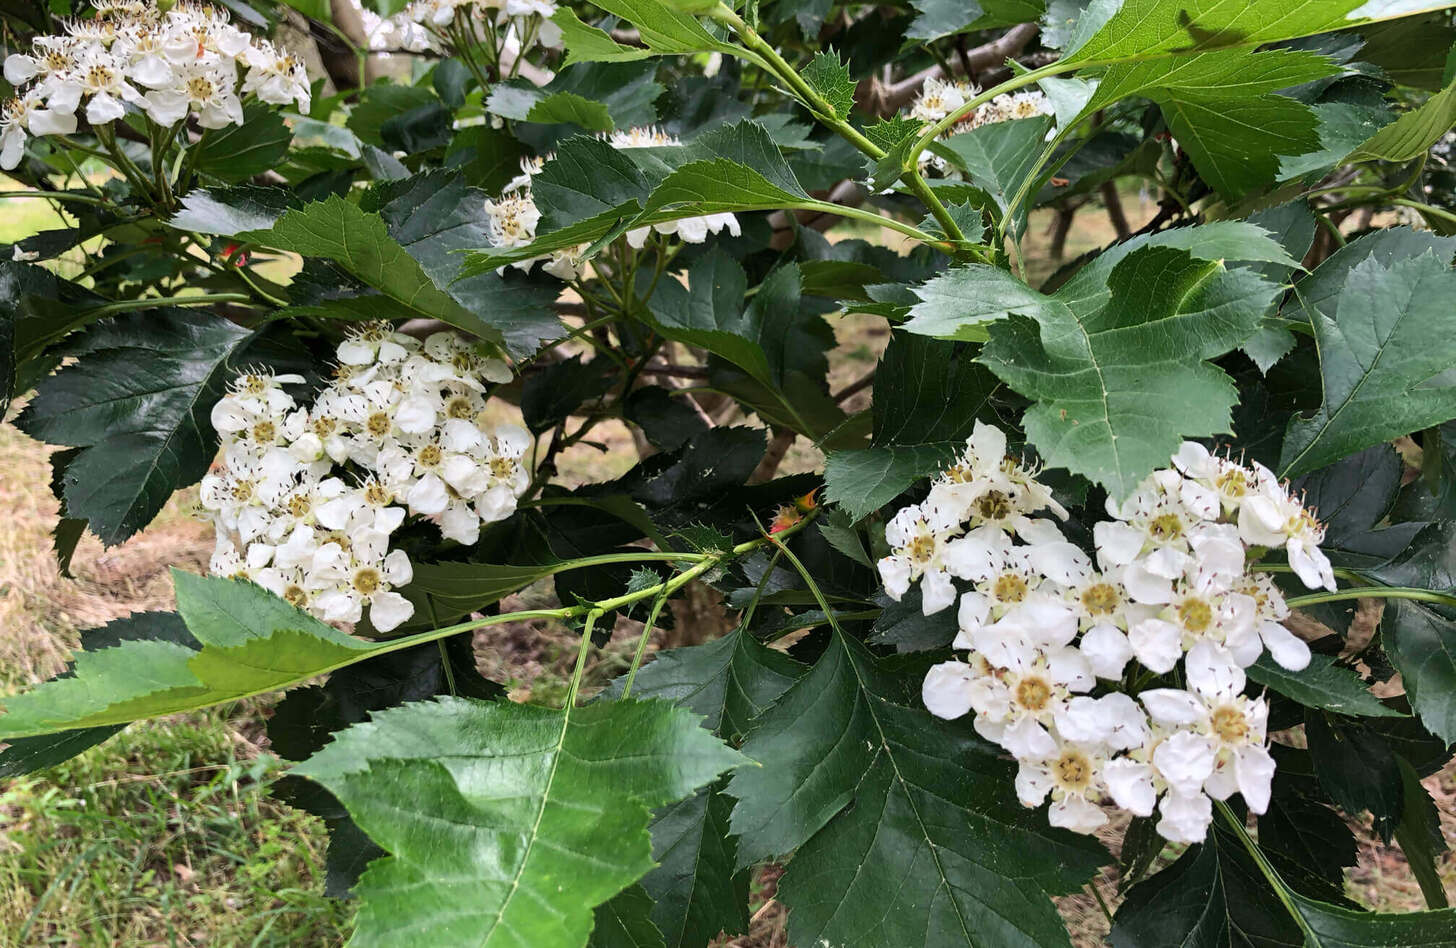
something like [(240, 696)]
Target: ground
[(166, 835)]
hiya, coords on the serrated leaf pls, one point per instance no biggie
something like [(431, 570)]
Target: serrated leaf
[(136, 401), (1422, 644), (1384, 361), (516, 819), (829, 77), (587, 44), (28, 754), (937, 18), (230, 211), (360, 243), (251, 642), (959, 302), (665, 30), (238, 152), (585, 178), (863, 481), (1119, 379), (1144, 29), (998, 157), (1420, 836), (1223, 109), (1322, 684), (524, 102), (625, 921), (933, 850), (728, 681)]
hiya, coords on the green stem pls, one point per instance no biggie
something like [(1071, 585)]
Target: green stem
[(151, 302), (1373, 592), (1444, 215), (53, 196), (641, 652), (1101, 903), (1276, 883), (582, 652)]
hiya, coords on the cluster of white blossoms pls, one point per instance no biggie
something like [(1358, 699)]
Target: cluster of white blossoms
[(1049, 631), (509, 27), (513, 216), (304, 499), (187, 60), (939, 98)]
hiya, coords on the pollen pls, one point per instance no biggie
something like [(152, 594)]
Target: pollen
[(1073, 770), (1195, 615), (1230, 725), (1033, 693), (367, 581), (1100, 599)]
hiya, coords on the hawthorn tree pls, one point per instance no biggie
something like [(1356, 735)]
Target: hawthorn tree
[(1038, 596)]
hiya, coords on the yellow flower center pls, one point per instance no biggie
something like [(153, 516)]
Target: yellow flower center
[(1033, 693), (430, 455), (1195, 615), (367, 581), (1100, 599), (295, 596), (1073, 770), (1166, 528), (1009, 587), (378, 424), (1230, 725), (922, 548), (993, 505)]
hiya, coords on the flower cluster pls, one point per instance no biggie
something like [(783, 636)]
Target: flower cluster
[(508, 28), (1049, 630), (513, 216), (939, 98), (186, 61), (305, 498)]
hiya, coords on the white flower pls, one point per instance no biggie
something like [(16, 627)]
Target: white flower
[(1073, 778), (511, 221), (939, 98), (947, 688), (1016, 703), (1223, 748), (1272, 518), (369, 578), (917, 537)]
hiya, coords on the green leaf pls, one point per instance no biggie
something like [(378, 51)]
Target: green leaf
[(905, 625), (1223, 109), (959, 303), (668, 31), (1357, 767), (1144, 29), (586, 177), (381, 102), (863, 481), (729, 681), (238, 152), (29, 754), (1422, 645), (625, 921), (1212, 895), (556, 392), (938, 18), (1331, 926), (251, 642), (228, 212), (1120, 379), (515, 820), (1000, 156), (433, 217), (932, 850), (587, 44), (37, 308), (1384, 361), (829, 77), (137, 402), (1420, 835), (1322, 684), (1411, 135), (527, 103), (360, 243)]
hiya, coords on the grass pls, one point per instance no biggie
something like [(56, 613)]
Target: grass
[(166, 834)]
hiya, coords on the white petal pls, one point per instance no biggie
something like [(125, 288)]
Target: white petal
[(1254, 768), (936, 591), (1171, 705), (1156, 643), (1060, 562), (1028, 740), (1079, 721), (1130, 784), (1185, 817), (1286, 648), (1076, 814), (1212, 672), (428, 496), (1033, 782), (946, 690), (1117, 543), (387, 610), (895, 575), (1185, 760), (1106, 650)]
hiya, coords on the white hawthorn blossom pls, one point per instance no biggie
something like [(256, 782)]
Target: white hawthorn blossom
[(1166, 588), (186, 61), (305, 498)]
